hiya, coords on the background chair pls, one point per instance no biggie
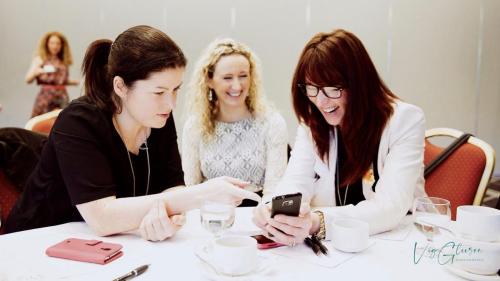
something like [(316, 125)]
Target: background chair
[(20, 151), (16, 149), (43, 123), (463, 177), (8, 197)]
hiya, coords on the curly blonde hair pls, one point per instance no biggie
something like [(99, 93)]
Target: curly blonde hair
[(206, 111), (65, 53)]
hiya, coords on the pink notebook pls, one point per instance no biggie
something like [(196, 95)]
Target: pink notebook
[(94, 251)]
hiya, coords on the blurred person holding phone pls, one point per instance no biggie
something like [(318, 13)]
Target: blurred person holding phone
[(50, 69), (112, 158), (359, 148)]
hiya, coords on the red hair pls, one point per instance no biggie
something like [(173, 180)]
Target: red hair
[(339, 59)]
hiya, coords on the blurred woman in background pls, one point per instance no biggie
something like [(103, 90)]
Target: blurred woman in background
[(50, 69)]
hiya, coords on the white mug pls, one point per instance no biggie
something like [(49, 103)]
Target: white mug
[(49, 68), (478, 223), (350, 235), (232, 255), (473, 256)]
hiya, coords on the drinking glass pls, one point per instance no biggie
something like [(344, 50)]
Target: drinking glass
[(216, 217), (429, 213)]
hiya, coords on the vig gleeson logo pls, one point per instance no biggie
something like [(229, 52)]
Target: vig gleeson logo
[(447, 254)]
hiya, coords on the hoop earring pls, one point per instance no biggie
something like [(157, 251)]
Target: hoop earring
[(210, 95)]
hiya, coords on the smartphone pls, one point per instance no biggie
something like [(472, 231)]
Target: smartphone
[(265, 243), (288, 204)]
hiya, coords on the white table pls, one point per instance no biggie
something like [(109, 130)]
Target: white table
[(22, 257)]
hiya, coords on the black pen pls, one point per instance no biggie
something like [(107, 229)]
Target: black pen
[(311, 245), (136, 272), (322, 247)]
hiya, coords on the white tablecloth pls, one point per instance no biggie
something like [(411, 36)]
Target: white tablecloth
[(391, 257)]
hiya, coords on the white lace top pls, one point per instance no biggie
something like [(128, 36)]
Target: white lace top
[(253, 149)]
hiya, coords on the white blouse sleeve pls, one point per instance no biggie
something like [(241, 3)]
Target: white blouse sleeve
[(401, 173), (276, 152), (299, 174), (191, 137)]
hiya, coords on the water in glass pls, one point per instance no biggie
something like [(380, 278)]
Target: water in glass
[(216, 217), (429, 212)]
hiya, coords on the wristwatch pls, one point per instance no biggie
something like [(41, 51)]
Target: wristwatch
[(322, 231)]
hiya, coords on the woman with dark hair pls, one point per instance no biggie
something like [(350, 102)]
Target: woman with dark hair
[(112, 155), (359, 149)]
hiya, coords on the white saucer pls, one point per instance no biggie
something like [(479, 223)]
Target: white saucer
[(264, 266), (471, 276)]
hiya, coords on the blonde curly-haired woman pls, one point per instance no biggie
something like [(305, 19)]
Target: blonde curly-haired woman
[(232, 130)]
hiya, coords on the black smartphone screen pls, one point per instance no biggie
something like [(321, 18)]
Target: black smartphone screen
[(288, 204)]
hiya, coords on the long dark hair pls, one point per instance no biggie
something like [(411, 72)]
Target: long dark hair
[(338, 58), (134, 55)]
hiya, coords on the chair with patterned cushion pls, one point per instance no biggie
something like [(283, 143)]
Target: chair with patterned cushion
[(463, 176), (43, 123)]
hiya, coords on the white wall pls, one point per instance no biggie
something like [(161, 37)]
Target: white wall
[(442, 55)]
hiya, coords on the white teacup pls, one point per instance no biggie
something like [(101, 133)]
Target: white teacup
[(49, 68), (232, 255), (350, 235), (478, 223), (473, 256)]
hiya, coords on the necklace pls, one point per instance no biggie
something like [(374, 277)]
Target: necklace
[(338, 173), (130, 159), (338, 186), (132, 167)]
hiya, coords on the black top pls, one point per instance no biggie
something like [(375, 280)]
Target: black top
[(86, 160), (355, 191)]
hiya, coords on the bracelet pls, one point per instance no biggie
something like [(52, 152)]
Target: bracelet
[(322, 230)]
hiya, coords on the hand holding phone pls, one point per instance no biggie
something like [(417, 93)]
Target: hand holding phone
[(288, 204), (296, 223)]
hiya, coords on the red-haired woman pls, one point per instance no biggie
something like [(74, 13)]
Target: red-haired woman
[(359, 149)]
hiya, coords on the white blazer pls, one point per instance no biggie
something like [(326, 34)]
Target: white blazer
[(400, 166)]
